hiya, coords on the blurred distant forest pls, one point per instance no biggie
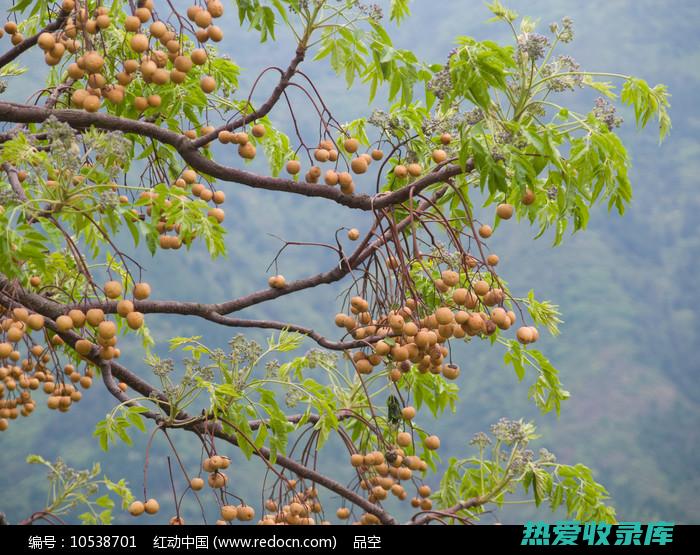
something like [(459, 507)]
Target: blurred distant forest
[(628, 287)]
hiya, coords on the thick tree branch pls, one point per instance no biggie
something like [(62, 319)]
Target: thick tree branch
[(21, 113)]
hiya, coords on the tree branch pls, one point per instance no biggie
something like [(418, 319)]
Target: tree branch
[(22, 113), (264, 108)]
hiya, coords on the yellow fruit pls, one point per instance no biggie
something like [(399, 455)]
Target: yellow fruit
[(400, 171), (229, 512), (158, 29), (351, 145), (353, 234), (216, 213), (46, 41), (505, 211), (199, 56), (35, 321), (140, 103), (432, 442), (525, 335), (91, 103), (113, 289), (485, 231), (83, 346), (331, 178), (444, 315), (359, 165), (139, 43), (439, 156), (107, 329), (134, 320), (247, 151), (414, 169), (152, 506), (217, 480), (208, 84), (403, 439), (293, 167), (137, 508), (132, 23), (197, 484), (143, 290), (450, 371)]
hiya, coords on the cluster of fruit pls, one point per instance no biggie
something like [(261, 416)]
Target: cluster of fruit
[(19, 378), (156, 55)]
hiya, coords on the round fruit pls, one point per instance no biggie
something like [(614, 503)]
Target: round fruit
[(229, 512), (132, 23), (414, 169), (199, 56), (356, 460), (107, 329), (143, 290), (139, 43), (137, 508), (528, 197), (140, 103), (196, 484), (293, 167), (505, 211), (525, 335), (444, 315), (481, 287), (485, 231), (359, 165), (450, 371), (343, 513), (247, 151), (91, 103), (432, 442), (403, 439), (208, 84), (176, 521), (354, 234), (215, 33), (400, 171), (35, 321), (245, 513), (217, 480), (134, 320), (258, 130), (351, 145), (408, 413), (492, 259), (113, 289), (216, 213), (152, 506), (46, 41), (439, 156), (445, 138), (158, 29)]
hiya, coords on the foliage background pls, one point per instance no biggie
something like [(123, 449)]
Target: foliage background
[(628, 287)]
